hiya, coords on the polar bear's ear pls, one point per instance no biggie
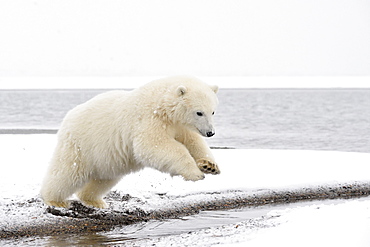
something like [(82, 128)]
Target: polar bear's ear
[(214, 88), (181, 90)]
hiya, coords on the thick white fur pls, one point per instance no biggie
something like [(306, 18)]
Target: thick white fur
[(120, 132)]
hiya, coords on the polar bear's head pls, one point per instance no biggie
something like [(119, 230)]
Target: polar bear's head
[(196, 106)]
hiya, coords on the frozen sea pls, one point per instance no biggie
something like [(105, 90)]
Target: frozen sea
[(304, 119)]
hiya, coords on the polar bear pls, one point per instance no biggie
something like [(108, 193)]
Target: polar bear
[(159, 125)]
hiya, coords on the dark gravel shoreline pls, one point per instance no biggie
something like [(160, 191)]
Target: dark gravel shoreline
[(80, 219)]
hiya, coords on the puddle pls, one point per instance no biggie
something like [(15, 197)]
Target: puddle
[(151, 229)]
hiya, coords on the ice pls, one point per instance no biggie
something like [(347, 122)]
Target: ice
[(25, 159), (337, 224)]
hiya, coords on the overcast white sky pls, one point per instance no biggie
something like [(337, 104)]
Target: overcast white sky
[(198, 37)]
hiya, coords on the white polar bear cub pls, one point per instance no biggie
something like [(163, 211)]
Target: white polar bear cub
[(158, 125)]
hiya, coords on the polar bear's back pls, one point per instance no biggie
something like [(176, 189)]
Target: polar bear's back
[(99, 111), (97, 127)]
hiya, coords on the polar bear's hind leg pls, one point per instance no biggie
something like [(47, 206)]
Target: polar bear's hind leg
[(57, 187), (92, 193)]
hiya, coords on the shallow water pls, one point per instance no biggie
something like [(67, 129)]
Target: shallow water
[(146, 230)]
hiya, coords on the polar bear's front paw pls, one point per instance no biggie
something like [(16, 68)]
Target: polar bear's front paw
[(207, 166), (194, 176)]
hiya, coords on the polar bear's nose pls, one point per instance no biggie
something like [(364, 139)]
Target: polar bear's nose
[(210, 133)]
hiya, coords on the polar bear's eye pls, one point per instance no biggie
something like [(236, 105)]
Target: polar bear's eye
[(213, 113), (200, 113)]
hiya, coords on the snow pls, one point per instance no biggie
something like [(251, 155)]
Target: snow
[(253, 171), (346, 224), (25, 158)]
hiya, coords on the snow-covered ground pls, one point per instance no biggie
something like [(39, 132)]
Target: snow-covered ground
[(25, 157)]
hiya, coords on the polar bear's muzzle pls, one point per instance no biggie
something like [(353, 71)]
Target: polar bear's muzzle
[(207, 133)]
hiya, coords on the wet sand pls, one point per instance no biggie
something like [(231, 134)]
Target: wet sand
[(80, 219)]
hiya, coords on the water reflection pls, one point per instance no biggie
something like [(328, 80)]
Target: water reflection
[(96, 239)]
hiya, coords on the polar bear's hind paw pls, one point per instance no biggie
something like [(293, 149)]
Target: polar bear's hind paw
[(62, 204), (95, 203)]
